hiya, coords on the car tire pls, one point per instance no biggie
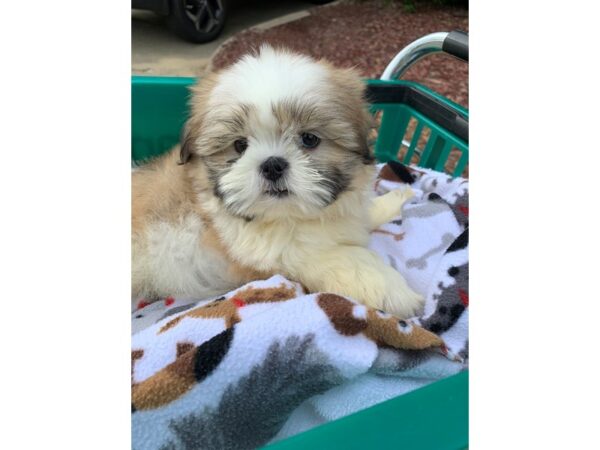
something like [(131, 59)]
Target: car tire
[(197, 21)]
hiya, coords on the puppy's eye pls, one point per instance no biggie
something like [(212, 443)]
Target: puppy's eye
[(309, 140), (240, 145)]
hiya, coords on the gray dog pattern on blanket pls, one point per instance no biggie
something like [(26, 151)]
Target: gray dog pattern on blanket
[(433, 255), (293, 370), (267, 361)]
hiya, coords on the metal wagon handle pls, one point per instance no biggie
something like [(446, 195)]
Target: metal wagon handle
[(455, 43)]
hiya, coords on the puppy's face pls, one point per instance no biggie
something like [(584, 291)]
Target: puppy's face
[(280, 135)]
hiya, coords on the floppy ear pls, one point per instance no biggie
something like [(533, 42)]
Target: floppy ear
[(351, 97), (190, 132), (367, 125), (368, 156), (187, 141)]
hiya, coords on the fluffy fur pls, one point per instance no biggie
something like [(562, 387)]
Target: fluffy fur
[(215, 222)]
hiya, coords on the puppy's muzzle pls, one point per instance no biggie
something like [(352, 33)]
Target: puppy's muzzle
[(273, 168)]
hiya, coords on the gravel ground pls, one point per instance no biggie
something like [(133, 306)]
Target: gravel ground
[(366, 35)]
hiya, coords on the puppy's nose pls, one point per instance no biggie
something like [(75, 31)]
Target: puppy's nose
[(273, 168)]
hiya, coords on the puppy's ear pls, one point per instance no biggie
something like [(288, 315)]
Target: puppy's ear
[(187, 141), (366, 125), (191, 130), (368, 153), (350, 94)]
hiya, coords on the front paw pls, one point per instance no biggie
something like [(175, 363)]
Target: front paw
[(361, 274), (402, 301), (401, 196), (388, 206), (381, 287), (397, 297)]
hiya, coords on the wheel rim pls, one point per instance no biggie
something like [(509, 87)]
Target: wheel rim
[(206, 15)]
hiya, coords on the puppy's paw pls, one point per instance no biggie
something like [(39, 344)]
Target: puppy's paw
[(361, 274), (388, 206), (401, 300), (401, 196), (381, 287), (397, 297)]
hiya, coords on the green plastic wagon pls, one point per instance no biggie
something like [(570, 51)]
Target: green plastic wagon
[(417, 126)]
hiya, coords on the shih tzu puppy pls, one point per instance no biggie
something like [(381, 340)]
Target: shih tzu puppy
[(273, 175)]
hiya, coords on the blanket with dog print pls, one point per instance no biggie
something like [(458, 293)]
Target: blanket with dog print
[(268, 360)]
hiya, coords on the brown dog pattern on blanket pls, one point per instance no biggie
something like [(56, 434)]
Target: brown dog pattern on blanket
[(228, 310), (177, 378), (194, 363), (382, 328), (292, 370)]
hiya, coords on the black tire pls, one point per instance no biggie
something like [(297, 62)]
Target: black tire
[(319, 2), (210, 16)]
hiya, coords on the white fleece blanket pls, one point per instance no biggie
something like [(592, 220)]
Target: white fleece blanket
[(267, 361)]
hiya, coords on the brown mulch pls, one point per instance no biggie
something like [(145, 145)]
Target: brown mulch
[(366, 35)]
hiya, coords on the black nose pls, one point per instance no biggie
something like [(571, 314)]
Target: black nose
[(273, 168)]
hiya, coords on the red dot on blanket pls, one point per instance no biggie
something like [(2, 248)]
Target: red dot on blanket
[(238, 302), (169, 301), (142, 304), (464, 297), (464, 210)]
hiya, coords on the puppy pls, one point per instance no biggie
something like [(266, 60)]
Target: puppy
[(273, 175)]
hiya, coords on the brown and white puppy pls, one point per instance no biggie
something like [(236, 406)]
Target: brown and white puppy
[(275, 177)]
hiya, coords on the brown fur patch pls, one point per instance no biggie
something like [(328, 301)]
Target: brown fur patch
[(184, 347), (339, 310), (386, 173), (228, 309), (171, 323), (252, 295), (385, 331), (223, 309), (166, 385), (135, 355)]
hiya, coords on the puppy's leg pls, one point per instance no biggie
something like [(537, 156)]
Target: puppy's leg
[(387, 206), (360, 274)]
